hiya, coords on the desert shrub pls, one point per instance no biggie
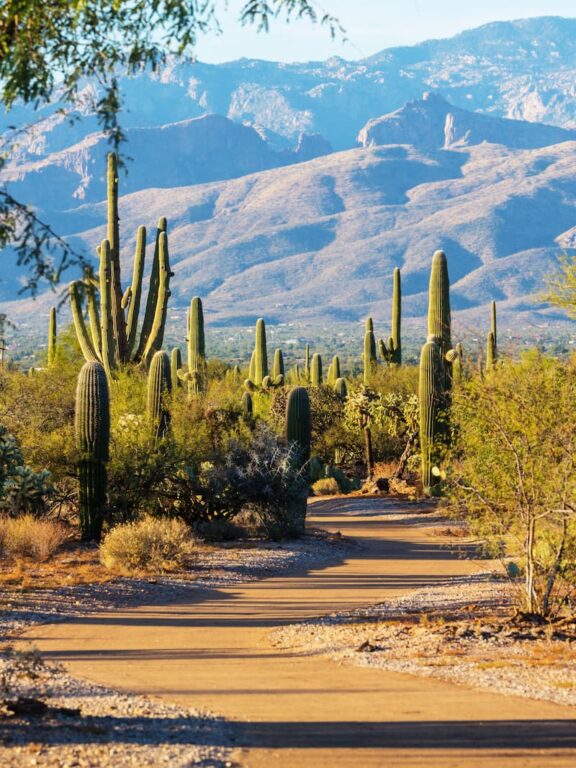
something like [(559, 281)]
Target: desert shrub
[(22, 490), (150, 545), (328, 486), (512, 470), (27, 536)]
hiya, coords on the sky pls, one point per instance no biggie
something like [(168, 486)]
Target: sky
[(371, 25)]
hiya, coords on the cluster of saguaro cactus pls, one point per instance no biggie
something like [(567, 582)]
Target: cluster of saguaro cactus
[(92, 430), (111, 337), (159, 389), (391, 351)]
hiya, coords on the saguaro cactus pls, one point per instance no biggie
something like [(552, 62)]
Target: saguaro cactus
[(439, 316), (246, 404), (92, 430), (316, 370), (396, 335), (307, 363), (196, 348), (159, 389), (175, 366), (430, 393), (370, 360), (121, 328), (278, 365), (493, 322), (261, 355), (52, 335), (341, 389), (299, 421), (490, 351)]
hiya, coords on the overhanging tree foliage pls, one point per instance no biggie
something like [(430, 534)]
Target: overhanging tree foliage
[(48, 50)]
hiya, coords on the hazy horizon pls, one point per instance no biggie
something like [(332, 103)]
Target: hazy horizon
[(371, 27)]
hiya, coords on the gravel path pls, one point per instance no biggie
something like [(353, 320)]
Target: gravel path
[(458, 632), (120, 729)]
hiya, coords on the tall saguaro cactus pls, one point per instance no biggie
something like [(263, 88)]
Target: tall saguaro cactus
[(261, 354), (316, 370), (52, 336), (430, 395), (299, 421), (92, 431), (370, 359), (396, 335), (159, 389), (278, 365), (117, 311), (439, 315)]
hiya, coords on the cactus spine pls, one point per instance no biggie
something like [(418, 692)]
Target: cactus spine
[(369, 352), (278, 365), (92, 431), (52, 334), (261, 355), (439, 317), (430, 394), (316, 370), (159, 389)]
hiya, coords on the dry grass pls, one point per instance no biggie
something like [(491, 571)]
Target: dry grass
[(151, 545), (30, 537), (327, 486)]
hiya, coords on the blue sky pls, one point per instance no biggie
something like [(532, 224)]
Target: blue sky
[(370, 24)]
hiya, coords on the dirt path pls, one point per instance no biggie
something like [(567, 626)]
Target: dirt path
[(300, 711)]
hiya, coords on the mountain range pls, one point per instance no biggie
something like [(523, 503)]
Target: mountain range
[(292, 191)]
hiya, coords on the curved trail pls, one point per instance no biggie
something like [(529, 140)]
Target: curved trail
[(288, 710)]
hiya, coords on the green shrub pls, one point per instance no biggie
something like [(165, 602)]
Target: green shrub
[(328, 486), (27, 536), (150, 545)]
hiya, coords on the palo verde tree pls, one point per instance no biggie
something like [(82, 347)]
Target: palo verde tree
[(512, 474)]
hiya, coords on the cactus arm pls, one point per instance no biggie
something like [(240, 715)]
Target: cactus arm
[(80, 326), (261, 356), (136, 289), (113, 237), (157, 331), (153, 288), (94, 320), (106, 319), (175, 366)]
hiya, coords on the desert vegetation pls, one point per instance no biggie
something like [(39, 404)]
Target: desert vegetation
[(113, 439)]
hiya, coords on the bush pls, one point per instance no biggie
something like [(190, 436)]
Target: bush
[(512, 475), (22, 491), (27, 536), (151, 545), (328, 486)]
